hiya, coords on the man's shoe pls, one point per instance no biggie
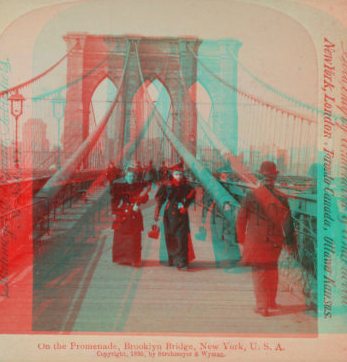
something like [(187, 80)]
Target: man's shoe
[(275, 306), (171, 263), (262, 311)]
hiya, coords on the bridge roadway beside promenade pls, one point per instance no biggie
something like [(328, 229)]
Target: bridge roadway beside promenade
[(81, 290)]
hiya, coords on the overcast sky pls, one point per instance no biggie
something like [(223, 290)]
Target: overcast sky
[(276, 48)]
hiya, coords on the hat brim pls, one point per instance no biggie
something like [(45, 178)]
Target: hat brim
[(269, 173), (177, 168)]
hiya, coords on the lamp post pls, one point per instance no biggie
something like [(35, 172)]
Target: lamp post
[(58, 113), (16, 111)]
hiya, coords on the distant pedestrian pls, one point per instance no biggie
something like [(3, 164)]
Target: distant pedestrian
[(111, 173), (139, 171), (163, 173), (150, 174)]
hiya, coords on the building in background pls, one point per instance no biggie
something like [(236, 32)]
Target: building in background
[(35, 148)]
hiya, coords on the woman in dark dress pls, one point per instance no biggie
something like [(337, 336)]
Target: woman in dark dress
[(128, 222), (179, 194)]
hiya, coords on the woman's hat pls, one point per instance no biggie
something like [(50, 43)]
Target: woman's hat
[(178, 168), (223, 170), (268, 168), (130, 168)]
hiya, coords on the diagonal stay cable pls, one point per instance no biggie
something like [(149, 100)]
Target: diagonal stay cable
[(154, 112), (66, 86), (269, 87), (262, 194), (218, 192), (130, 148), (218, 145), (76, 160), (149, 99)]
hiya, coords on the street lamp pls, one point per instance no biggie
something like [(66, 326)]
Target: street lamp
[(16, 111), (58, 113)]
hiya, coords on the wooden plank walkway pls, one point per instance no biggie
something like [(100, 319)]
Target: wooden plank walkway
[(89, 293)]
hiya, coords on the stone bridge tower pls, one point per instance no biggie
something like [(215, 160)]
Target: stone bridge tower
[(170, 60)]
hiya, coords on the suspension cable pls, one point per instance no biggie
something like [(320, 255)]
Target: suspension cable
[(266, 85), (247, 94), (262, 194), (149, 99), (22, 85), (248, 178), (130, 148), (66, 86), (76, 160)]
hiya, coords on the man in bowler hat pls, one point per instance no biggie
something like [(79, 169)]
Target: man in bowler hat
[(263, 233)]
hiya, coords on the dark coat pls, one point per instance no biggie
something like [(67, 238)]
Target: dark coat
[(150, 174), (124, 196), (112, 173), (128, 223), (261, 237), (176, 222), (208, 201), (139, 172), (163, 173)]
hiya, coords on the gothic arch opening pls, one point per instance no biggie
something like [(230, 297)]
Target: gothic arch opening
[(151, 95), (103, 96), (204, 113)]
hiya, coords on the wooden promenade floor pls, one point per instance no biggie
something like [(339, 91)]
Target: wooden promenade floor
[(86, 292)]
